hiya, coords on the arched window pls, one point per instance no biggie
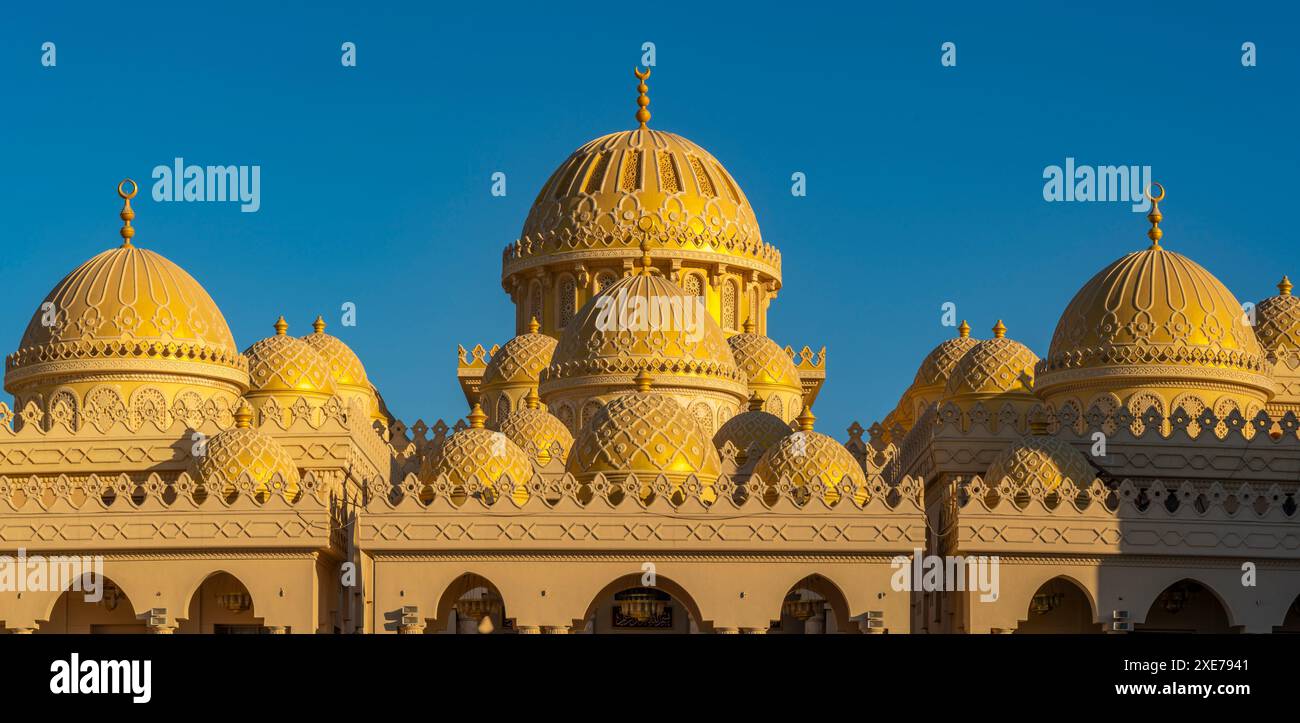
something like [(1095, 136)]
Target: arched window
[(729, 305), (568, 300), (692, 285), (534, 302), (603, 280)]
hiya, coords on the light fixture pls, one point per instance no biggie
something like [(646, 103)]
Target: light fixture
[(235, 602), (642, 604), (801, 608), (1045, 602), (112, 596)]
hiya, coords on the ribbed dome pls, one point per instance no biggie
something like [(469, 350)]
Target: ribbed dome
[(519, 361), (345, 368), (1158, 316), (643, 184), (244, 450), (805, 456), (647, 434), (1040, 459), (127, 309), (752, 432), (537, 432), (609, 342), (993, 368), (480, 454), (287, 366)]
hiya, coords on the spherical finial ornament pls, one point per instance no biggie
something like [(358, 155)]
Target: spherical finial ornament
[(647, 263), (806, 419), (1284, 286), (643, 100), (319, 325), (477, 419), (533, 325), (963, 331), (281, 326), (127, 215), (643, 381), (244, 415), (999, 330), (1155, 217)]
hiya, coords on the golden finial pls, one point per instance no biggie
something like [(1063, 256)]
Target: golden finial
[(1284, 286), (319, 325), (533, 326), (643, 100), (749, 326), (244, 415), (999, 330), (477, 419), (281, 326), (963, 331), (1038, 425), (532, 399), (806, 419), (643, 381), (127, 214), (646, 262), (1155, 216), (755, 402)]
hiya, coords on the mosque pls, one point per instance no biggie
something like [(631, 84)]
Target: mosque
[(639, 478)]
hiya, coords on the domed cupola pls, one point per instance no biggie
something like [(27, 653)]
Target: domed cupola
[(752, 432), (283, 369), (993, 371), (643, 323), (513, 371), (1277, 326), (478, 454), (536, 431), (806, 456), (769, 371), (1155, 329), (244, 450), (1039, 460), (346, 369), (647, 434), (613, 193), (932, 377), (126, 336)]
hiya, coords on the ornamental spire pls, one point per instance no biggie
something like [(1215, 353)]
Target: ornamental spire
[(281, 326), (477, 419), (806, 419), (1155, 217), (643, 381), (127, 215), (319, 325), (643, 100), (999, 330), (963, 331), (1284, 286), (244, 415)]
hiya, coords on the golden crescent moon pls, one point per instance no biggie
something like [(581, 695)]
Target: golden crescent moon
[(135, 188), (637, 73), (1156, 199)]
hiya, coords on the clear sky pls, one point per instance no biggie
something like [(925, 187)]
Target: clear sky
[(924, 182)]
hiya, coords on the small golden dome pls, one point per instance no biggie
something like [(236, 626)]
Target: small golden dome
[(478, 453), (244, 450), (993, 367), (345, 367), (647, 434), (938, 365), (644, 183), (1040, 459), (806, 455), (765, 364), (537, 432), (625, 330), (519, 361), (752, 432), (288, 366), (1277, 321)]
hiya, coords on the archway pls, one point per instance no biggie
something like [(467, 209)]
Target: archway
[(628, 606), (1060, 606), (1187, 606), (1291, 624), (111, 614), (222, 605), (472, 605), (813, 606)]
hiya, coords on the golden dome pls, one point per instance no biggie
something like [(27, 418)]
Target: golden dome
[(1040, 459), (767, 367), (1277, 321), (287, 366), (609, 342), (244, 450), (537, 431), (805, 456), (752, 432), (931, 379), (126, 310), (647, 434), (478, 453), (993, 368), (647, 184), (345, 367), (519, 361)]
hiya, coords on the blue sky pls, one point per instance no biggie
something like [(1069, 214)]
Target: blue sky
[(924, 183)]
